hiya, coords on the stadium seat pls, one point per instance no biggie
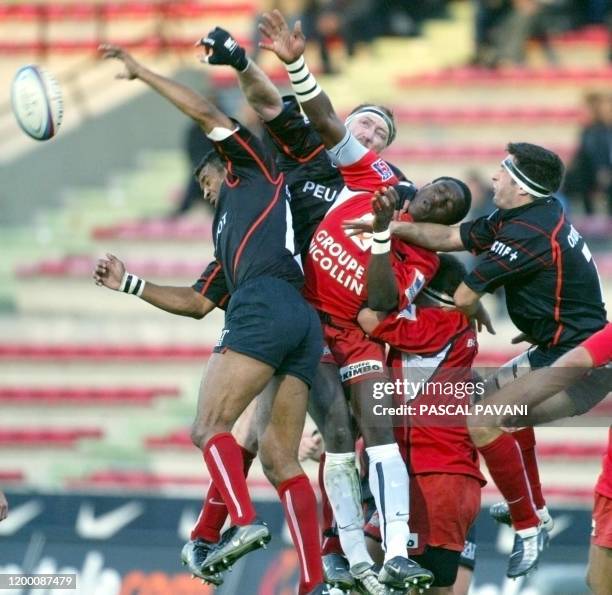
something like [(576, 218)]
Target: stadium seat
[(11, 476), (82, 266), (178, 439), (53, 438), (508, 76), (159, 229), (84, 395), (14, 351)]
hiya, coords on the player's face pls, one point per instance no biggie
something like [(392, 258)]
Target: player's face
[(370, 130), (436, 202), (210, 180), (506, 190)]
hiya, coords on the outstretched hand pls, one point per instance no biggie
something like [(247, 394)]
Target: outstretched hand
[(132, 67), (109, 272), (221, 48), (483, 320), (288, 45)]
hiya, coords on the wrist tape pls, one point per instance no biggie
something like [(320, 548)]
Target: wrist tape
[(132, 284), (304, 84)]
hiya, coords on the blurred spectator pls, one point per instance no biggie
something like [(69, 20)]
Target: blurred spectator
[(589, 179), (320, 22), (504, 27), (3, 507)]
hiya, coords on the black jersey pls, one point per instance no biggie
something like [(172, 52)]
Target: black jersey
[(252, 228), (212, 285), (313, 181), (552, 287)]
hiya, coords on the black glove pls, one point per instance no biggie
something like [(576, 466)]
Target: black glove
[(224, 49)]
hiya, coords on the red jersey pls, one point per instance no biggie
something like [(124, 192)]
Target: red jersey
[(442, 344), (335, 270), (604, 483), (599, 345)]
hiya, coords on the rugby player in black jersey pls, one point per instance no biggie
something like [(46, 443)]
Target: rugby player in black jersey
[(553, 296), (270, 334)]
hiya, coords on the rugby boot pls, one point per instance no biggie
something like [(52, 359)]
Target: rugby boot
[(236, 542), (336, 572), (324, 589), (500, 512), (526, 551), (193, 555), (367, 579), (400, 574)]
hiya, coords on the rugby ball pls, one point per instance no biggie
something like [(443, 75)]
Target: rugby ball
[(37, 102)]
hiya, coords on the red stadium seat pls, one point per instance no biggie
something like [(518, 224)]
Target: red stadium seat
[(82, 266), (84, 396), (553, 450), (175, 230), (21, 352), (11, 476), (55, 438), (508, 76), (178, 439)]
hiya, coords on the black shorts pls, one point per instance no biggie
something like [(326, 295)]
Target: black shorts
[(268, 320), (541, 357), (468, 555)]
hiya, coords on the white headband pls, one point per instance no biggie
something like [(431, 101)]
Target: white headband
[(526, 183)]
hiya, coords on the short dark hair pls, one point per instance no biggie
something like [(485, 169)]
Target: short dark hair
[(461, 210), (540, 165), (385, 110), (211, 157), (450, 274)]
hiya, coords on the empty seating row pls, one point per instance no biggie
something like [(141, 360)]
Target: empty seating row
[(84, 395), (508, 76), (83, 11), (29, 352), (42, 437)]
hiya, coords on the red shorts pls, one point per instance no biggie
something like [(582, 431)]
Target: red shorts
[(358, 357), (443, 507), (602, 522)]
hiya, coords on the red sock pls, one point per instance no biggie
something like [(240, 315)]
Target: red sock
[(214, 512), (503, 458), (300, 506), (225, 465), (525, 438)]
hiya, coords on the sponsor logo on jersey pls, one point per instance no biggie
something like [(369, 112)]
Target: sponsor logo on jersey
[(409, 313), (357, 369), (415, 287), (319, 191), (502, 250), (381, 167)]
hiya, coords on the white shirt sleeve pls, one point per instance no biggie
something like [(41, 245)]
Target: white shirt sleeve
[(348, 151), (218, 133)]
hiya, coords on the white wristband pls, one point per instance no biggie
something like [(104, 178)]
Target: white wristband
[(381, 242), (381, 247), (382, 236), (132, 284), (303, 82)]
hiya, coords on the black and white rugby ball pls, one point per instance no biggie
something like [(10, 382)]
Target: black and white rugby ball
[(37, 102)]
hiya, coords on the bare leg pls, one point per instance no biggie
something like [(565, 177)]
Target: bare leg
[(599, 573)]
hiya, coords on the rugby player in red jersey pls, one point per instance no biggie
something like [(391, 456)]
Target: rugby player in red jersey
[(430, 344), (553, 295), (336, 286)]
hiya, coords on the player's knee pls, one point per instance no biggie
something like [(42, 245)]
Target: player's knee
[(338, 438), (276, 464)]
